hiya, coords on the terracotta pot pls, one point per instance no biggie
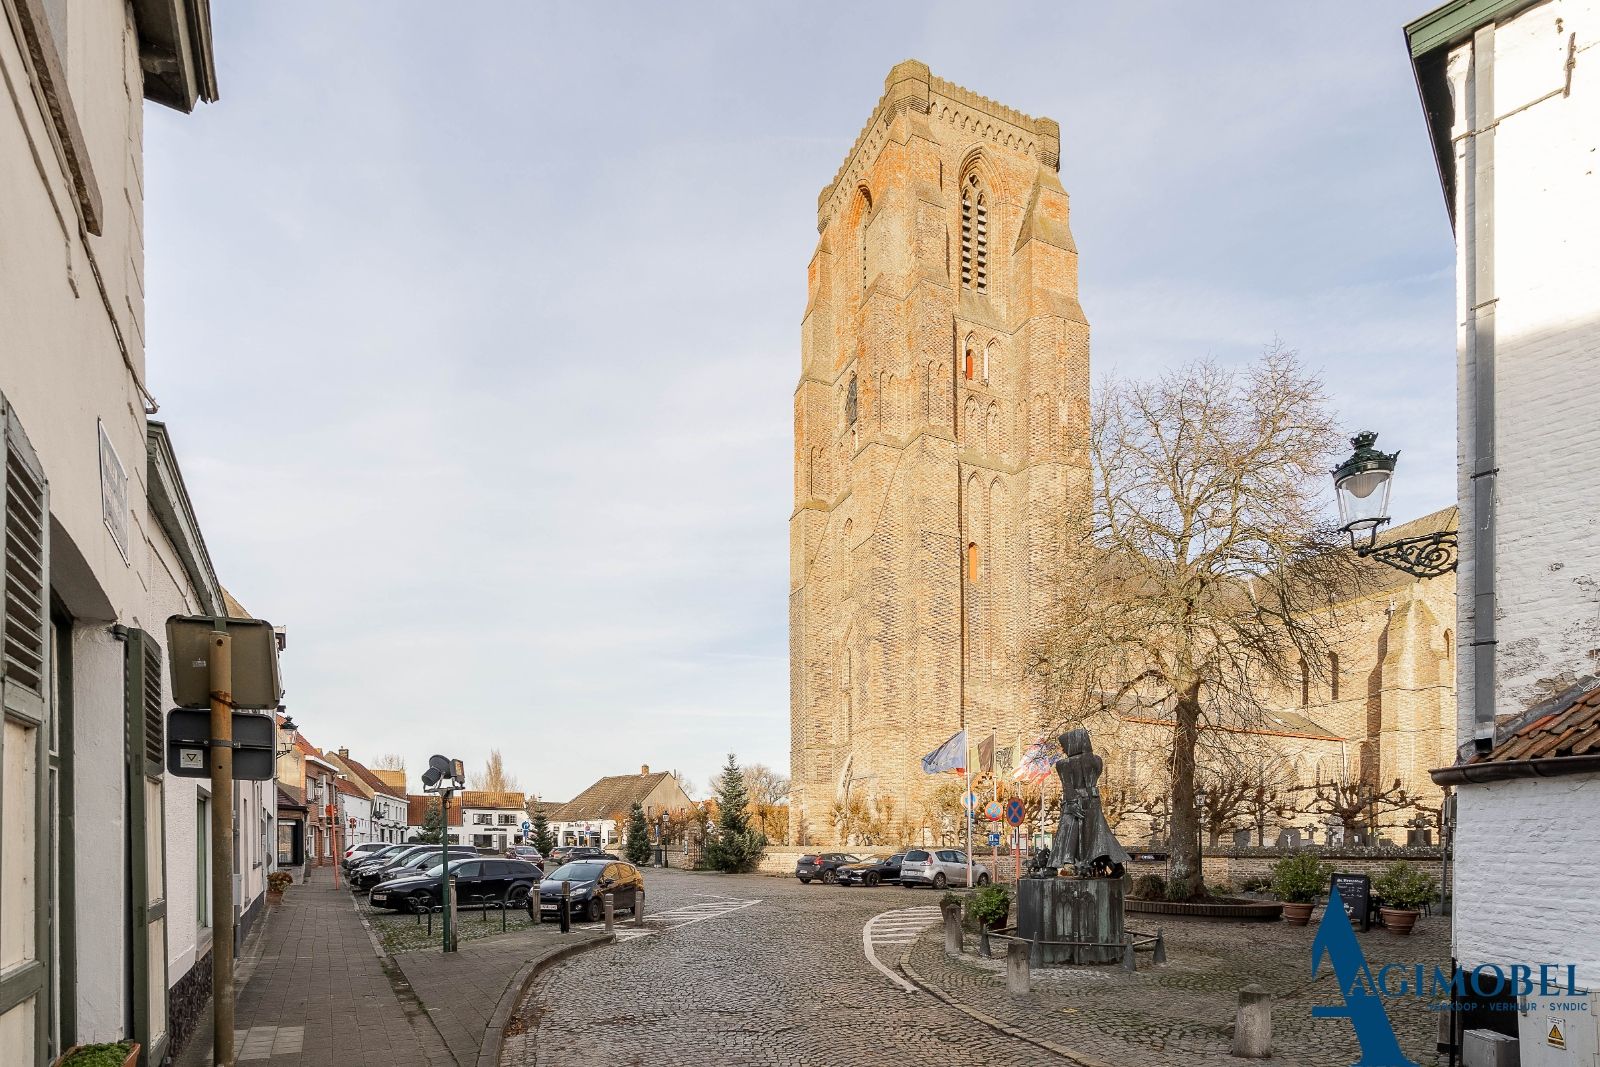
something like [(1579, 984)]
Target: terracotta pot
[(1297, 914), (1398, 921)]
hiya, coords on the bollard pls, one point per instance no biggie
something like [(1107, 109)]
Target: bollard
[(1252, 1026), (983, 943), (1034, 958), (1160, 954), (1130, 961), (609, 907), (1018, 977), (566, 907), (952, 929), (638, 907)]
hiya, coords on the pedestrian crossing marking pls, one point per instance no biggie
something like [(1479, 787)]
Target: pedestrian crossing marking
[(898, 927)]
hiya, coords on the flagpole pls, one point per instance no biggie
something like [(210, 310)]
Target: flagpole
[(970, 802)]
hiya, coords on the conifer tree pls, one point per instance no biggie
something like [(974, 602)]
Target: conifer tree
[(638, 849), (432, 832), (543, 839), (733, 846)]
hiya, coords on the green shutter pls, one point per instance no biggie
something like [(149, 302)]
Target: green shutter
[(147, 893)]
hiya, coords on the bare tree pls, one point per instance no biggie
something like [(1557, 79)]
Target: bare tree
[(494, 778), (1203, 576), (389, 761), (766, 785), (1355, 801)]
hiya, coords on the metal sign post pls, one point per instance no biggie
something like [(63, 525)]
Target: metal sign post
[(219, 659)]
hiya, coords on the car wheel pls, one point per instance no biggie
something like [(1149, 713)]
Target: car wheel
[(983, 879), (592, 911), (940, 881), (871, 879), (420, 902), (517, 896), (830, 877)]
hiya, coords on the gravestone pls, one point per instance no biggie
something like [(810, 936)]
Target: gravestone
[(1241, 839)]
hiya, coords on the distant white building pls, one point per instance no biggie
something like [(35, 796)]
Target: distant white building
[(490, 821), (1511, 90)]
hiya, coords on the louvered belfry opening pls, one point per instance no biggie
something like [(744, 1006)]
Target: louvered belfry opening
[(974, 235), (24, 649)]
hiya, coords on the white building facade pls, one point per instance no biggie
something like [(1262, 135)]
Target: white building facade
[(1512, 95), (86, 906)]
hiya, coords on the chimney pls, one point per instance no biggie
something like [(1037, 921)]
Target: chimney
[(644, 769), (344, 753)]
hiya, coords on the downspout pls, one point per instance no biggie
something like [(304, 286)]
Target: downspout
[(1481, 343)]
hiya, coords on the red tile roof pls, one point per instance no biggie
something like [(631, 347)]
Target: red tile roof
[(1570, 728), (477, 798)]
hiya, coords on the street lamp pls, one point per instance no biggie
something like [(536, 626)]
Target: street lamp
[(1361, 484), (289, 731)]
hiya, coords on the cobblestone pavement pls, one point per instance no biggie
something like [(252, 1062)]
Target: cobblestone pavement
[(1182, 1013), (783, 982), (788, 981)]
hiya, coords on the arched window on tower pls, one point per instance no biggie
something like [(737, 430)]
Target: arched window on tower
[(1333, 675), (864, 209), (1305, 684), (973, 561), (974, 234), (969, 362)]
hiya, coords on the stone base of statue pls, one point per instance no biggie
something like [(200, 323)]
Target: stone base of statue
[(1062, 910)]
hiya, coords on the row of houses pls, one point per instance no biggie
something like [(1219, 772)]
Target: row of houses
[(106, 870)]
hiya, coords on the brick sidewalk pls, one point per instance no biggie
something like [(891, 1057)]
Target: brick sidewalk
[(1181, 1014), (314, 990)]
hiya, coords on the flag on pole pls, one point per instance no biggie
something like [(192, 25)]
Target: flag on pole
[(1037, 761), (950, 757), (1006, 759), (985, 761)]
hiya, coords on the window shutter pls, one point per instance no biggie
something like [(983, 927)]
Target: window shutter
[(25, 616), (146, 718)]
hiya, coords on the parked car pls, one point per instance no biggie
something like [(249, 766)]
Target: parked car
[(589, 879), (823, 866), (381, 854), (487, 882), (572, 853), (359, 853), (525, 852), (420, 858), (939, 867), (872, 870)]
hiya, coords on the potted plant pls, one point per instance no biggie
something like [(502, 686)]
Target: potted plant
[(277, 882), (110, 1054), (1297, 880), (1403, 891), (989, 906)]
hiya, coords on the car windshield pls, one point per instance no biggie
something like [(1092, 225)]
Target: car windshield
[(438, 868), (576, 872)]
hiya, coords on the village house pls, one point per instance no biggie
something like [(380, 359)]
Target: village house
[(387, 805), (599, 815), (491, 820)]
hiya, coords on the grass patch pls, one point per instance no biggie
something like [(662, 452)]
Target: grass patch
[(399, 931)]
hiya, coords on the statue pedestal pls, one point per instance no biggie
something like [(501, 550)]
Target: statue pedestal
[(1072, 909)]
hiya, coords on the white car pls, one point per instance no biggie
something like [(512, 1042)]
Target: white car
[(939, 867)]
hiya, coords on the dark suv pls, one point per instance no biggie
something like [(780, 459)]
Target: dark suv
[(823, 866), (871, 871)]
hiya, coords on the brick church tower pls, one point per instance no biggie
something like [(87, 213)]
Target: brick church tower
[(940, 429)]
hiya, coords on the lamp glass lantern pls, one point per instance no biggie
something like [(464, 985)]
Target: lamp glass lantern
[(1361, 484)]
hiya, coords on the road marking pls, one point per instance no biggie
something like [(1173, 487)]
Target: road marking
[(685, 915), (898, 927)]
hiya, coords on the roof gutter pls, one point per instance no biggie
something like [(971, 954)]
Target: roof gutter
[(1550, 767)]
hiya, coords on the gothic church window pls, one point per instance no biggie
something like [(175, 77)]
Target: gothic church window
[(974, 235), (973, 561)]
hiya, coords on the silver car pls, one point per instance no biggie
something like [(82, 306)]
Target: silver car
[(940, 867)]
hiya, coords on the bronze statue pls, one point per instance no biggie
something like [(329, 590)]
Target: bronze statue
[(1084, 842)]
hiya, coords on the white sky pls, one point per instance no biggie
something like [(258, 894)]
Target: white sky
[(477, 328)]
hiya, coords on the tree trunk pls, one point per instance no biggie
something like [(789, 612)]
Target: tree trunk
[(1185, 876)]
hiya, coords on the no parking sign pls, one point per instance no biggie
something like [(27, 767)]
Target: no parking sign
[(1014, 812)]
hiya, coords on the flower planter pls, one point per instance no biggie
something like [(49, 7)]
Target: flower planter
[(130, 1060), (1398, 921), (1297, 914)]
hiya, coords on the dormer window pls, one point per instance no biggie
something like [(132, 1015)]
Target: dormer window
[(974, 235)]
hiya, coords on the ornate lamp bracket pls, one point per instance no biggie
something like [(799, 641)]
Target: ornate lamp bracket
[(1428, 556)]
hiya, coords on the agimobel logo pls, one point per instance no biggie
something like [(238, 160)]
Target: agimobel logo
[(1363, 1002)]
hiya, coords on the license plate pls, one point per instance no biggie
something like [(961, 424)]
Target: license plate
[(547, 907), (378, 898)]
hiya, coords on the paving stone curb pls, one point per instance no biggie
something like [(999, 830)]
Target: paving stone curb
[(494, 1033), (995, 1024)]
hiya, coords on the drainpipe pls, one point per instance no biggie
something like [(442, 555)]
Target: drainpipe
[(1481, 343)]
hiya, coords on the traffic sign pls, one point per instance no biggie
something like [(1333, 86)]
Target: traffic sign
[(992, 811), (971, 801), (526, 826), (1014, 812), (994, 840)]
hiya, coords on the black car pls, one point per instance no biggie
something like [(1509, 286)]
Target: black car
[(572, 853), (480, 882), (822, 865), (872, 870), (588, 880), (413, 861)]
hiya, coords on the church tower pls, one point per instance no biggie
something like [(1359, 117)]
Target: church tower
[(940, 431)]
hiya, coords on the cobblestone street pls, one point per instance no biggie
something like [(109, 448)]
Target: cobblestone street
[(754, 970)]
